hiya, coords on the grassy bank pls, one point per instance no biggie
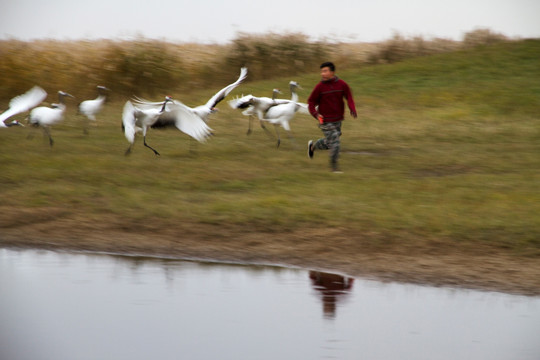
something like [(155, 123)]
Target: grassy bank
[(446, 149)]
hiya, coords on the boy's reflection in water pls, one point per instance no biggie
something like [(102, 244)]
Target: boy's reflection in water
[(331, 287)]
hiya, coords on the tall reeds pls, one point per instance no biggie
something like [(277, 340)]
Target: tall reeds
[(148, 67)]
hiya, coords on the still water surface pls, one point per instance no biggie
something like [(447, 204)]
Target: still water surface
[(65, 306)]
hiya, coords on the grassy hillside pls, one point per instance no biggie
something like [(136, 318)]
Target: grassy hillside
[(446, 148)]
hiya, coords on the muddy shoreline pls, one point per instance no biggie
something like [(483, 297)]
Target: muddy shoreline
[(339, 250)]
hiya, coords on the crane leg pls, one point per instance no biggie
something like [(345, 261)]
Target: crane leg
[(32, 132), (86, 126), (48, 133), (128, 151), (249, 125), (151, 148), (276, 126), (266, 130), (293, 141)]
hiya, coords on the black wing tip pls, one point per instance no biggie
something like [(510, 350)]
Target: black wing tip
[(163, 123)]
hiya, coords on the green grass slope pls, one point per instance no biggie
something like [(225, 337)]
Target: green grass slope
[(446, 147)]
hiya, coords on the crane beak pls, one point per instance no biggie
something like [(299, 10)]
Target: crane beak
[(13, 123)]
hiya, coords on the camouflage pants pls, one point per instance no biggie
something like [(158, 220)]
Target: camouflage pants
[(331, 141)]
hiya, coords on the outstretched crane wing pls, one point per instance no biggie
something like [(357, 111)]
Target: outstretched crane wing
[(24, 102), (145, 104), (302, 108), (187, 121), (128, 121), (221, 94)]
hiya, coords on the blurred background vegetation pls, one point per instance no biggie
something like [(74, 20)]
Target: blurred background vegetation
[(149, 67)]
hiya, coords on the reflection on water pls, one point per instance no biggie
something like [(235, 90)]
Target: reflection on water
[(332, 288), (77, 306)]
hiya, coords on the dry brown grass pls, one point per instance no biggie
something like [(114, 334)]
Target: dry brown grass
[(149, 67), (400, 48)]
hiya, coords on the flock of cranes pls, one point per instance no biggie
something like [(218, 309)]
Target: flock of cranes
[(139, 115)]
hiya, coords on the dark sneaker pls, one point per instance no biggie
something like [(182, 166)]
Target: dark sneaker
[(310, 149)]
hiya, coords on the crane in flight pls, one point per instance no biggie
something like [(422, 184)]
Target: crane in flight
[(22, 103), (173, 113)]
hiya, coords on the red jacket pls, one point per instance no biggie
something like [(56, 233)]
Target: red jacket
[(328, 95)]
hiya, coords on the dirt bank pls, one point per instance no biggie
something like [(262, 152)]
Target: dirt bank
[(339, 250)]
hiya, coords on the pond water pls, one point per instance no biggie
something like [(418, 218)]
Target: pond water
[(84, 306)]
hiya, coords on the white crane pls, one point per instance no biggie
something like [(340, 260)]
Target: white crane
[(250, 111), (136, 119), (184, 117), (46, 116), (281, 114), (90, 108), (22, 103), (159, 114), (277, 111), (202, 111)]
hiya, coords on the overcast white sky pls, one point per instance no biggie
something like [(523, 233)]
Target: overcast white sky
[(219, 21)]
